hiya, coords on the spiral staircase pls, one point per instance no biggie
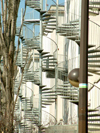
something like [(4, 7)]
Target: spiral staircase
[(71, 31), (28, 115)]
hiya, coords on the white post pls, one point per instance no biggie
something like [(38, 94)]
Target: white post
[(79, 17), (46, 5), (20, 101), (56, 67), (40, 70), (21, 42)]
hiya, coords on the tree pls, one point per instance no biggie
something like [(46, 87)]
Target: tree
[(8, 18)]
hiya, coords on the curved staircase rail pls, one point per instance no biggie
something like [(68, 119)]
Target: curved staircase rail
[(50, 46), (55, 46), (63, 66), (27, 32), (91, 85), (50, 120), (30, 15), (94, 33)]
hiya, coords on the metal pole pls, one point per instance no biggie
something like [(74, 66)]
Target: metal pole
[(46, 5), (40, 70), (20, 101), (21, 42), (56, 84), (57, 3), (83, 74), (56, 67)]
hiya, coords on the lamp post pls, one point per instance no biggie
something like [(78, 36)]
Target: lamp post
[(83, 73)]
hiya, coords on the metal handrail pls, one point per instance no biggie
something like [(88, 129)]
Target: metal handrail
[(93, 85), (51, 116)]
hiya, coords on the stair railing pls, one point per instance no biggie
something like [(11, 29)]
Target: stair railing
[(93, 95), (50, 45), (94, 7), (49, 119)]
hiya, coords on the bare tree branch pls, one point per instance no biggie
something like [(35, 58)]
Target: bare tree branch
[(5, 16), (20, 34), (1, 80), (20, 82), (2, 13)]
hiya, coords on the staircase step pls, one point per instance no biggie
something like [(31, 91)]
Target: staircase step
[(93, 124), (74, 21), (94, 119), (46, 98), (41, 86), (48, 18), (66, 88), (66, 82), (45, 89), (43, 106), (93, 129), (32, 21), (69, 98), (68, 95), (92, 13), (93, 51), (94, 3), (92, 110), (93, 70), (90, 46), (67, 92), (46, 103), (91, 65), (90, 74), (49, 59), (48, 92), (69, 34), (50, 95), (40, 50), (47, 56), (65, 85), (43, 53), (46, 15), (47, 22), (74, 101), (93, 56), (51, 28), (93, 115), (48, 65), (65, 97), (94, 8), (68, 26), (48, 69), (94, 61), (42, 11), (48, 31), (72, 37), (49, 101)]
